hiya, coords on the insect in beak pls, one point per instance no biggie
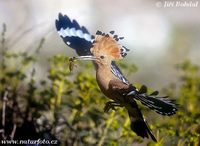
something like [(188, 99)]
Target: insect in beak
[(71, 64), (73, 59)]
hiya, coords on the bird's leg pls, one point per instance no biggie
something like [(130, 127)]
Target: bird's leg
[(111, 105)]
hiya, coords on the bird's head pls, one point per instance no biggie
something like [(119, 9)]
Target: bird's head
[(106, 49)]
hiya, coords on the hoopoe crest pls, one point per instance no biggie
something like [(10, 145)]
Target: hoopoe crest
[(106, 46)]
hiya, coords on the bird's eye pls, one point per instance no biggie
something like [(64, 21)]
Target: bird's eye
[(102, 57)]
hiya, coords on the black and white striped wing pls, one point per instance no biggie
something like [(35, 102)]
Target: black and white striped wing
[(78, 38), (117, 72), (73, 35)]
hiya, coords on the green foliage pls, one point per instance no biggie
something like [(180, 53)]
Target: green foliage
[(69, 105), (189, 99)]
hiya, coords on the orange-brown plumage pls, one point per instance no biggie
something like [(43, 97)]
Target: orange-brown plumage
[(106, 45), (113, 84), (105, 50)]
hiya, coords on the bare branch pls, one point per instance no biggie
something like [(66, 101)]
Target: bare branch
[(13, 131), (5, 99)]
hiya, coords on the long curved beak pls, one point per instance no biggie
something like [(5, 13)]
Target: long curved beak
[(88, 57)]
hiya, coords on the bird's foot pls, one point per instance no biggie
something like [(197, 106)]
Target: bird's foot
[(111, 105)]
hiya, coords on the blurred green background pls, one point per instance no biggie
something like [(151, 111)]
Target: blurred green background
[(41, 98)]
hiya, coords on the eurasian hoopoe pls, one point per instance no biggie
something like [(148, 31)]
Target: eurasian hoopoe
[(104, 50)]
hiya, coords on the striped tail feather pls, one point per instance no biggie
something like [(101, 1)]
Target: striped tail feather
[(161, 105), (138, 123)]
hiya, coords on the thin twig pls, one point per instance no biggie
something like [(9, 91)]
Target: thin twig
[(4, 108), (105, 131), (13, 131), (1, 130), (5, 99)]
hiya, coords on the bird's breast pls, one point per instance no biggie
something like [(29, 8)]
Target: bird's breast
[(103, 79)]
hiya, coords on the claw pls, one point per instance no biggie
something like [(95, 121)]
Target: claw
[(110, 105)]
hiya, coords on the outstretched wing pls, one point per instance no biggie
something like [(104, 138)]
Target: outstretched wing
[(78, 38), (73, 35)]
